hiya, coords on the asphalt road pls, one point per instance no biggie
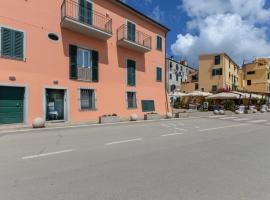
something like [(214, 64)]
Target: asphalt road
[(219, 158)]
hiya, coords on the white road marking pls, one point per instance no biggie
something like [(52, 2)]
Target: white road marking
[(241, 119), (46, 154), (165, 125), (216, 116), (180, 129), (171, 134), (222, 127), (124, 141), (229, 118), (257, 121)]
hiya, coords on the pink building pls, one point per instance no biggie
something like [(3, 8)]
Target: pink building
[(77, 60)]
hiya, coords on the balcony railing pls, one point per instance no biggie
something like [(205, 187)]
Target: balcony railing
[(137, 38), (72, 10)]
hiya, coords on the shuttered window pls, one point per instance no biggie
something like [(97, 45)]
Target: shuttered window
[(131, 31), (159, 43), (159, 73), (131, 72), (217, 60), (148, 105), (12, 43), (83, 64), (87, 99), (217, 72)]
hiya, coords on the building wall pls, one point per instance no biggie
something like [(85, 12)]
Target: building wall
[(224, 81), (260, 81), (176, 76), (47, 61)]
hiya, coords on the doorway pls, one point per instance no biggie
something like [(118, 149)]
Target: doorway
[(55, 104)]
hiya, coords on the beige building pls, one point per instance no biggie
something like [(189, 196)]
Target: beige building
[(218, 72), (192, 82), (256, 76)]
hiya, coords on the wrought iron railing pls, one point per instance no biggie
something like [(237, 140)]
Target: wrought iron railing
[(82, 14), (138, 37)]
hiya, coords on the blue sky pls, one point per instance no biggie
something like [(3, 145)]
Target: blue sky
[(240, 28)]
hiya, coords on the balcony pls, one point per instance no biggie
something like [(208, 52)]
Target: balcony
[(86, 21), (139, 41)]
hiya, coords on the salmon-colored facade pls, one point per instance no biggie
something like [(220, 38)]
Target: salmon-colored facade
[(46, 63)]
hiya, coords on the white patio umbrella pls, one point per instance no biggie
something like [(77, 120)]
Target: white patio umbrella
[(198, 94), (224, 95), (177, 94)]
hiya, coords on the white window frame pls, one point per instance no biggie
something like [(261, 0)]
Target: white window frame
[(83, 54), (94, 98), (136, 100)]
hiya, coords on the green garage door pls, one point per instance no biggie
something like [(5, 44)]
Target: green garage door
[(11, 104)]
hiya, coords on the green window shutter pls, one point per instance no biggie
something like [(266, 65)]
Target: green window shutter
[(95, 70), (159, 43), (73, 70), (159, 74), (18, 44), (7, 41), (217, 60), (81, 10), (131, 31), (12, 43), (131, 73)]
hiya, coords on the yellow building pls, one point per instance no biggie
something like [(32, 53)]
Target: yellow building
[(256, 76), (218, 72)]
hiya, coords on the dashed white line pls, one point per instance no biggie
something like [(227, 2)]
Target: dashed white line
[(222, 127), (257, 121), (124, 141), (229, 118), (46, 154), (180, 129), (241, 119), (171, 134)]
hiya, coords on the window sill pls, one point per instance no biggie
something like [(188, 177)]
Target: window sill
[(132, 108), (159, 50), (13, 58), (88, 110)]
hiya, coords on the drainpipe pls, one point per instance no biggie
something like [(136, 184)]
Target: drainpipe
[(166, 95)]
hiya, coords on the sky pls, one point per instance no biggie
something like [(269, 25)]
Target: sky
[(241, 28)]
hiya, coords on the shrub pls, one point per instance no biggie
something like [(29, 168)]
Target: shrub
[(229, 105)]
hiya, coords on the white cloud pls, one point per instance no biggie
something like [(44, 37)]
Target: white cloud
[(157, 14), (225, 26)]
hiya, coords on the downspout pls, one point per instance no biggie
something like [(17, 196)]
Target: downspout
[(166, 96)]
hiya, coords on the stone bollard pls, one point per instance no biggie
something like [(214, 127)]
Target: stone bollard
[(38, 123), (169, 115), (134, 117)]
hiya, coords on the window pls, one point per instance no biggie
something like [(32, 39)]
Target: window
[(131, 31), (131, 100), (217, 60), (251, 72), (177, 67), (248, 82), (159, 74), (171, 66), (84, 58), (170, 76), (87, 99), (229, 74), (131, 73), (214, 88), (196, 86), (268, 75), (12, 43), (53, 36), (148, 105), (173, 87), (85, 11), (217, 72), (159, 43), (83, 64)]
